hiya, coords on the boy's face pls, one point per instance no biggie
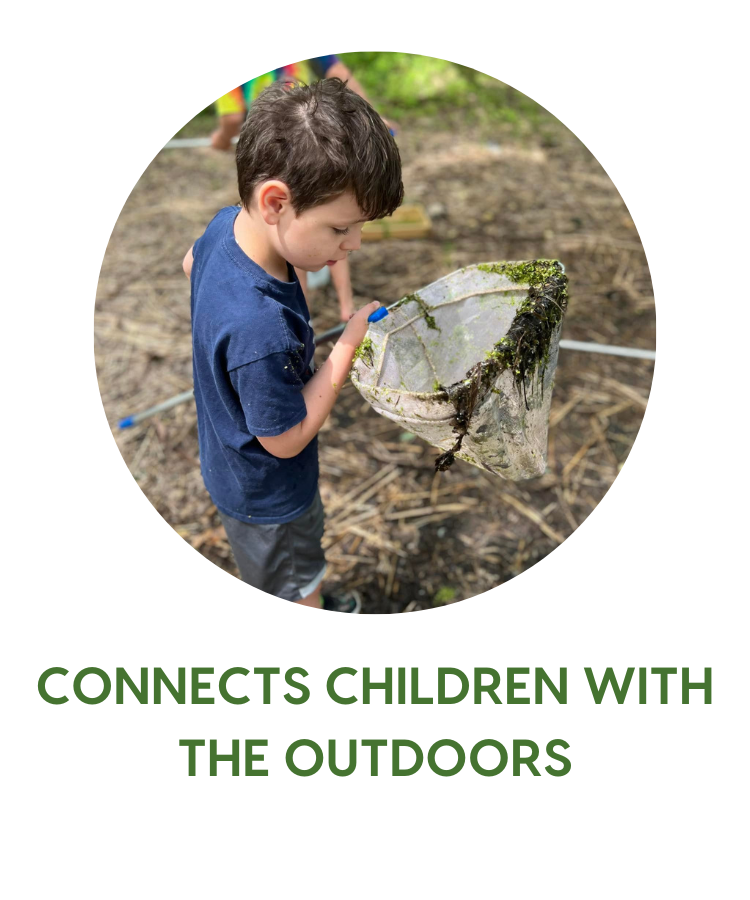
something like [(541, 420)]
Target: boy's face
[(323, 235)]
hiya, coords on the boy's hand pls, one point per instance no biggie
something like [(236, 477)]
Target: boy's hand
[(187, 263), (392, 126), (347, 309), (356, 329)]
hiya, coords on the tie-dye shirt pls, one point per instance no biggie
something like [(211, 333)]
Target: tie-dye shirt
[(307, 71)]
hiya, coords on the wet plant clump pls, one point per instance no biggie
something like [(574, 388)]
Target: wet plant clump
[(464, 396), (426, 314), (364, 352), (525, 348), (424, 308)]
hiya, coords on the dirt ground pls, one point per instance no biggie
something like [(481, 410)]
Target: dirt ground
[(406, 538)]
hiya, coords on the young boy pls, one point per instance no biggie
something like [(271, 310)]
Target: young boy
[(232, 108), (313, 164)]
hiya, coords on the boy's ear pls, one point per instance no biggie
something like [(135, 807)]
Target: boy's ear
[(273, 198)]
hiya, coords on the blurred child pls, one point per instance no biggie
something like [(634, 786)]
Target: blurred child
[(232, 109)]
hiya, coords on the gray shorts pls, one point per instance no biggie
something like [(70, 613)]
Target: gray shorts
[(285, 560)]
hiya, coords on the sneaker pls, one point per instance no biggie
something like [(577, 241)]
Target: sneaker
[(349, 602)]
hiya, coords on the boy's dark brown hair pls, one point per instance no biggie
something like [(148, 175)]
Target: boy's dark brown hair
[(320, 140)]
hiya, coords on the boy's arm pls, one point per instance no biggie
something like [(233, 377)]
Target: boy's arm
[(187, 263), (322, 389)]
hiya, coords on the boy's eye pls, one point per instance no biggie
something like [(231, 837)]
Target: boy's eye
[(341, 231)]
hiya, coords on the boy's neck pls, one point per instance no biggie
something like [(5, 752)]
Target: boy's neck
[(253, 241)]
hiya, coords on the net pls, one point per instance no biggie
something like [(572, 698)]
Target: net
[(468, 363)]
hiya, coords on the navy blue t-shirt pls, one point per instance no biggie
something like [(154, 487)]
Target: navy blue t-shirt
[(252, 354)]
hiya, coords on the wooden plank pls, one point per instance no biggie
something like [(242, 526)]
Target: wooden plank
[(407, 223)]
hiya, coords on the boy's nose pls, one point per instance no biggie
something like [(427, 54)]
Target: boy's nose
[(352, 242)]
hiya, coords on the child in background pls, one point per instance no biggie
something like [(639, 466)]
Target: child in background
[(313, 164), (232, 108)]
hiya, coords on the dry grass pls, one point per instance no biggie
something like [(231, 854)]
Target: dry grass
[(404, 536)]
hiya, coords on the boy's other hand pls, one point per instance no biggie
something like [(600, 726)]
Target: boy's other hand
[(187, 263), (347, 310), (356, 328), (392, 126)]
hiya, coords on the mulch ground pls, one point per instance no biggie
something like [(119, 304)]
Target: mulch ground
[(406, 538)]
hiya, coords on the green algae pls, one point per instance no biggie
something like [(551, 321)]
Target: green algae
[(365, 352), (524, 350), (426, 315), (424, 308)]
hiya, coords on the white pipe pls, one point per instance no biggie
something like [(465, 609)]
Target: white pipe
[(182, 143), (633, 352)]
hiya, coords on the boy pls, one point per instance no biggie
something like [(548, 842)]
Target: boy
[(231, 110), (313, 163)]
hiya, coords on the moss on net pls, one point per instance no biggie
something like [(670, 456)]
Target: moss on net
[(424, 308), (524, 350), (364, 352)]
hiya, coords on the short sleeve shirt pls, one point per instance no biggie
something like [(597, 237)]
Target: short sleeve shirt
[(252, 355)]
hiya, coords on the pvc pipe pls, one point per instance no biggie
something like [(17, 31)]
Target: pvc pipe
[(184, 143), (608, 349), (129, 421)]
